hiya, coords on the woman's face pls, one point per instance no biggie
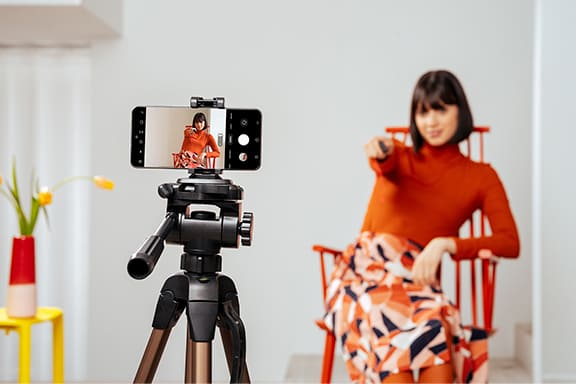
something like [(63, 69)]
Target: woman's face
[(437, 126), (200, 125)]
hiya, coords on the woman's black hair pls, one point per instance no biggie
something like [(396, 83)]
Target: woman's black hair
[(433, 90), (199, 117)]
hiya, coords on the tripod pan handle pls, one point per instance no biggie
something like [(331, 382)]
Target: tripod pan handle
[(142, 263)]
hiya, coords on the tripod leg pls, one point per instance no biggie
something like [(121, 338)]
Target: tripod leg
[(238, 370), (198, 361), (170, 306), (152, 355), (232, 331), (202, 313)]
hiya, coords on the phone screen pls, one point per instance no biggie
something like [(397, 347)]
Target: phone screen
[(169, 137)]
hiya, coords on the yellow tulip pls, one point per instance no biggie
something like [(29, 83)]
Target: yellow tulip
[(103, 182), (1, 180), (44, 196)]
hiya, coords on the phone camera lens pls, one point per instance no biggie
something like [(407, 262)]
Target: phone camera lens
[(244, 122)]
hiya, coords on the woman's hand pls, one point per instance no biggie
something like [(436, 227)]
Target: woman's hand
[(374, 150), (426, 264)]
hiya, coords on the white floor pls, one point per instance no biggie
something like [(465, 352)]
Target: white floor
[(307, 368)]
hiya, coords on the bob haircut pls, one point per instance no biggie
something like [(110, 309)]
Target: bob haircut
[(198, 118), (433, 90)]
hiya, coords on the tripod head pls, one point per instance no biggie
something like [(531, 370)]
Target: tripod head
[(202, 214)]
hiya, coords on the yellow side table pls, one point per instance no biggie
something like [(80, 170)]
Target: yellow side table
[(24, 327)]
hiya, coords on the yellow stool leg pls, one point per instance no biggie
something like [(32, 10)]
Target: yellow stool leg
[(25, 342), (58, 349)]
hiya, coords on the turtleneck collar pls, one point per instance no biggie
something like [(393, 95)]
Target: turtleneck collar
[(445, 152), (431, 163)]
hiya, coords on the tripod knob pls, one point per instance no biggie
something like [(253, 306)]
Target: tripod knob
[(245, 228)]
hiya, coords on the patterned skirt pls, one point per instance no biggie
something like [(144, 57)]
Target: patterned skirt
[(186, 159), (387, 324)]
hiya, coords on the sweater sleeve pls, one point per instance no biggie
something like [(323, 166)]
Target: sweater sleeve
[(212, 143), (504, 240), (384, 167)]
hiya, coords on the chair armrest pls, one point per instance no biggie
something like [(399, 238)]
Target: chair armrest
[(323, 249), (486, 254)]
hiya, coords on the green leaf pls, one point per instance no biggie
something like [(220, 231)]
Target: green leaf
[(35, 208), (22, 220), (10, 198), (14, 189), (34, 183)]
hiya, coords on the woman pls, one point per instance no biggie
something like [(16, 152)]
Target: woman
[(196, 141), (384, 302)]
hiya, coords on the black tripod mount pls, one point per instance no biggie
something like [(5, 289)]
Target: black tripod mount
[(209, 298)]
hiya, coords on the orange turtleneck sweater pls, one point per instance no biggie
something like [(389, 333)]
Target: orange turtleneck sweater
[(197, 141), (432, 193)]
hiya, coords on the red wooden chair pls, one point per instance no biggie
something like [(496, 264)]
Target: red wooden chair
[(477, 227)]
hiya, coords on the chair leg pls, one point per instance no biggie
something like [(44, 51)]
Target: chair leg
[(328, 360)]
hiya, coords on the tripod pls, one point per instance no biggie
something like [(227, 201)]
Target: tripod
[(209, 298)]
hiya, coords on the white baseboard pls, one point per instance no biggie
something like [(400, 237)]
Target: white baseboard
[(559, 378)]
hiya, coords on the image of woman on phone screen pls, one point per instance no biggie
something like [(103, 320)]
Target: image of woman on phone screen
[(199, 148)]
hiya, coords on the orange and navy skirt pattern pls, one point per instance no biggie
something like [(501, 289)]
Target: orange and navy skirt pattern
[(186, 159), (387, 324)]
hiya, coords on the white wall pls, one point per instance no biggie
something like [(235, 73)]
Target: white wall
[(309, 66), (557, 188)]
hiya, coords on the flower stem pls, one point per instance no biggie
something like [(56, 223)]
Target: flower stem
[(22, 222), (68, 180)]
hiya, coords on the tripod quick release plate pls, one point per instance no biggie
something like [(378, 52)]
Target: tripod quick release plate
[(199, 190)]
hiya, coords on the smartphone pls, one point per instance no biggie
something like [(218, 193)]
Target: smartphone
[(174, 137)]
